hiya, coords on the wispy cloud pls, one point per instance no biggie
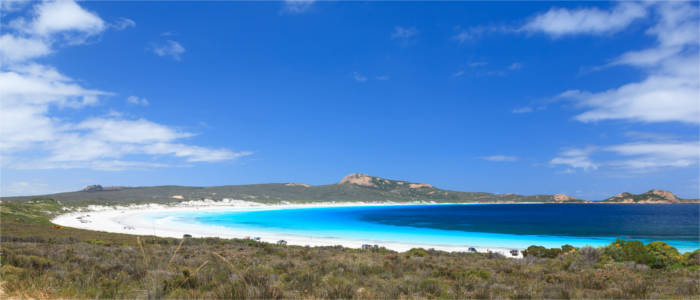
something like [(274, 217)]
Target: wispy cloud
[(170, 48), (471, 33), (576, 158), (559, 22), (632, 157), (480, 69), (403, 33), (123, 23), (359, 77), (296, 6), (406, 36), (500, 158), (137, 101)]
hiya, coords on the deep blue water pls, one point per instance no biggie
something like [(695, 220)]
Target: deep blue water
[(493, 225)]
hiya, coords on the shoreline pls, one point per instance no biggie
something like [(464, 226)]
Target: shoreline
[(133, 220), (153, 219)]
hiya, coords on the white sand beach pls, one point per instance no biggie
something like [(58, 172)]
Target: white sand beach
[(132, 220)]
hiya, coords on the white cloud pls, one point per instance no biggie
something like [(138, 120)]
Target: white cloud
[(403, 33), (470, 33), (474, 32), (576, 158), (169, 48), (35, 137), (499, 158), (656, 155), (382, 77), (359, 77), (51, 22), (12, 5), (458, 73), (137, 101), (656, 99), (64, 16), (634, 157), (669, 92), (561, 21), (297, 6), (123, 23), (17, 49)]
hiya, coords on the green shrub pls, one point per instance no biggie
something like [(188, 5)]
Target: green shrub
[(691, 258), (419, 252), (542, 252), (567, 248), (622, 250), (664, 255)]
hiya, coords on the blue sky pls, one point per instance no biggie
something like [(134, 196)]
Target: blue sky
[(587, 99)]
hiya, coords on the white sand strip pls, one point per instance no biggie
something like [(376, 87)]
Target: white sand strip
[(133, 220)]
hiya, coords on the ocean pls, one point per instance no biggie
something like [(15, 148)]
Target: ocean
[(484, 225)]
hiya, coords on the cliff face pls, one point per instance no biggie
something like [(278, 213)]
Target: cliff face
[(652, 196)]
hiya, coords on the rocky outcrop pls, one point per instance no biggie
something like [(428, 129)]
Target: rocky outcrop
[(99, 188), (563, 198), (652, 196), (666, 195), (93, 188), (420, 186), (297, 184), (359, 179)]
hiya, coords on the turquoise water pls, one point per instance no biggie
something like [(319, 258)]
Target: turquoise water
[(492, 225)]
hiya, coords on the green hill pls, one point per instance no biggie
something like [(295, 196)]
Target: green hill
[(353, 188)]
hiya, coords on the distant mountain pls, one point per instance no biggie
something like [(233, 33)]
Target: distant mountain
[(652, 196), (352, 188)]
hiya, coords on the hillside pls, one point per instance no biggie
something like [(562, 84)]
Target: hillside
[(652, 196), (352, 188)]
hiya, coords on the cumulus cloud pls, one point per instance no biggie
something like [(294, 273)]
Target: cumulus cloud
[(169, 48), (17, 49), (559, 22), (499, 158), (35, 137), (64, 16)]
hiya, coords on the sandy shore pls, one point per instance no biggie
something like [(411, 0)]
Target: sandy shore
[(133, 220)]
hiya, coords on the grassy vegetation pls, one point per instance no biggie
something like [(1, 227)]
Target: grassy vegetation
[(40, 260)]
